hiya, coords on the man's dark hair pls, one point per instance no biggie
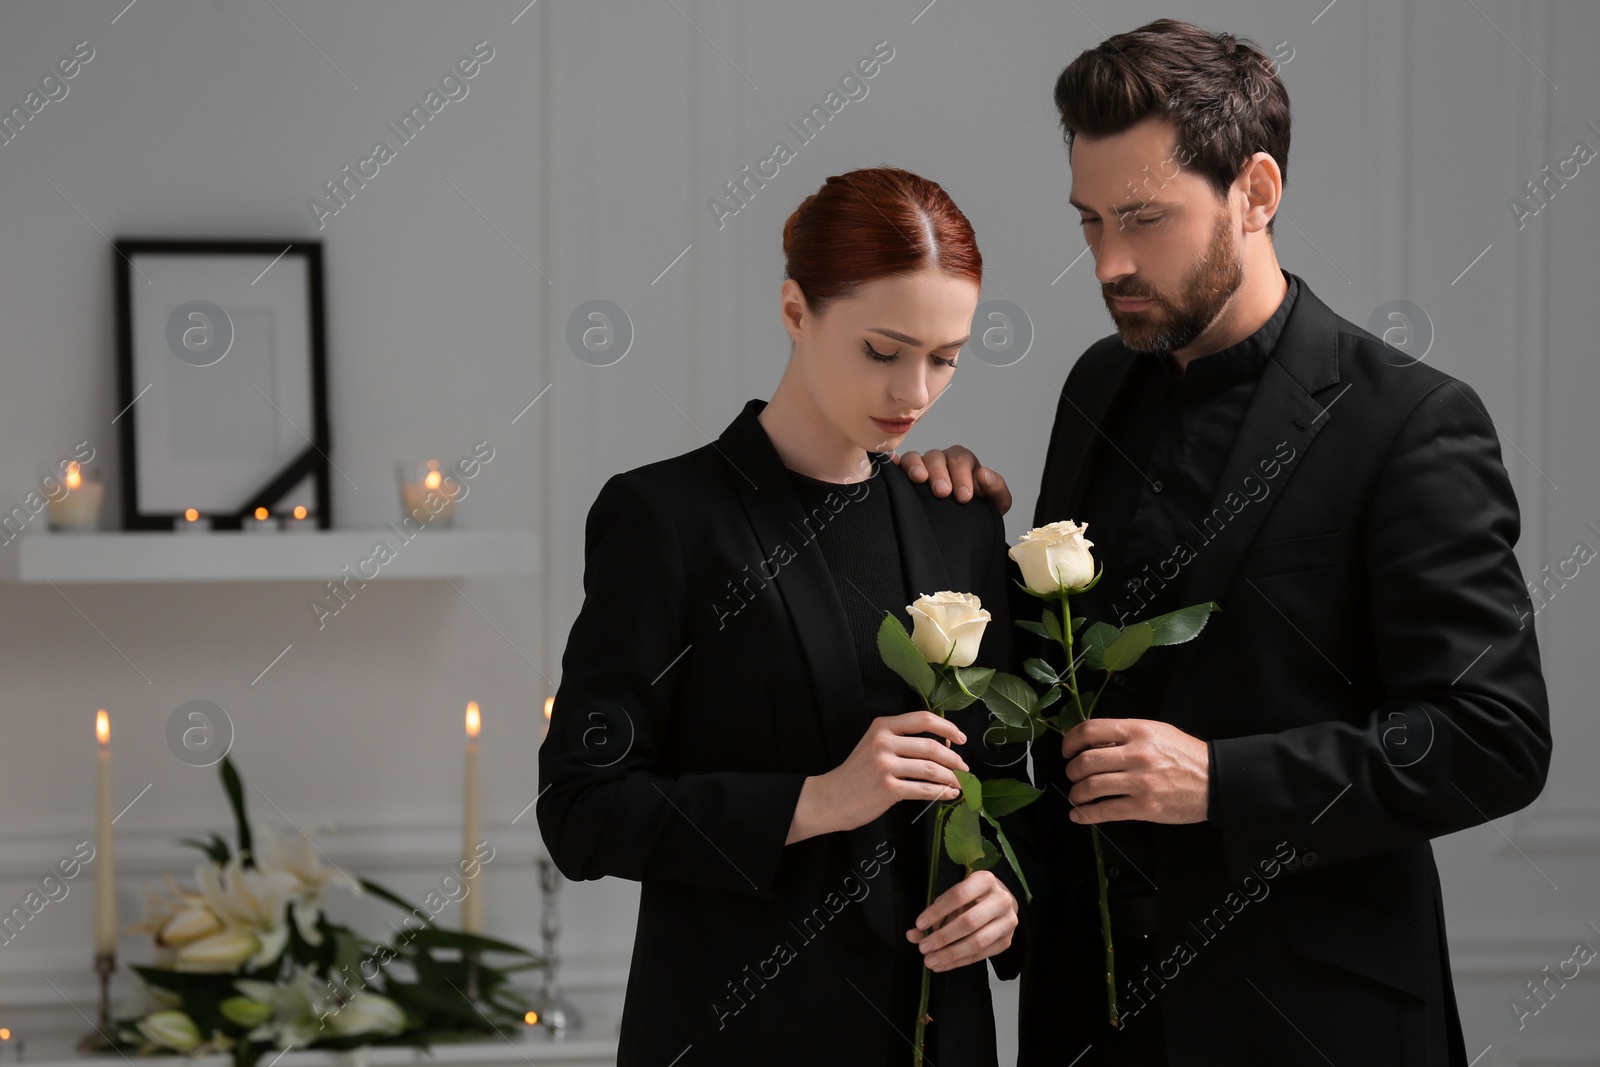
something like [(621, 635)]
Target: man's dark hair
[(1221, 92)]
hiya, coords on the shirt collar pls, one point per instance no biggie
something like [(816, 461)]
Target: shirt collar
[(1242, 360)]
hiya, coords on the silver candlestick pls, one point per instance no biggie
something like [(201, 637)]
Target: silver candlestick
[(556, 1013), (99, 1039)]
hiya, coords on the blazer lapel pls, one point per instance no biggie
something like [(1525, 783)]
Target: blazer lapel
[(1284, 410), (803, 582), (821, 629)]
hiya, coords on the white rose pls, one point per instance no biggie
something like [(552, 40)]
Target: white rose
[(368, 1013), (170, 1029), (948, 627), (1055, 557)]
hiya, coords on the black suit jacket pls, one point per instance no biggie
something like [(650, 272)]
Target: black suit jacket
[(708, 673), (1367, 685)]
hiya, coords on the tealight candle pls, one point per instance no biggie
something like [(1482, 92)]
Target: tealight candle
[(78, 506), (425, 495), (191, 522), (300, 521), (260, 522)]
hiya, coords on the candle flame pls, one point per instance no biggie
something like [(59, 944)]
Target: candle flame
[(261, 513), (5, 1031), (532, 1019), (102, 727), (299, 511), (432, 480), (474, 720), (549, 703), (74, 478), (191, 514)]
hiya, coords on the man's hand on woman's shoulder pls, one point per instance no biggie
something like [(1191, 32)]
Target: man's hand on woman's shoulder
[(958, 469)]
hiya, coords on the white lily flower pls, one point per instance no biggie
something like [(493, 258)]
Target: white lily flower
[(298, 1006)]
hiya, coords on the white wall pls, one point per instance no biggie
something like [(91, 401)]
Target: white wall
[(590, 144)]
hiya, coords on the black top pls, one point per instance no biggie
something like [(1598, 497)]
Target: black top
[(1146, 508), (854, 528)]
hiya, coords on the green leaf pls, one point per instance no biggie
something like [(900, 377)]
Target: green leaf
[(1128, 647), (971, 789), (383, 894), (946, 695), (1002, 796), (1011, 857), (1095, 641), (216, 848), (901, 655), (1033, 627), (1046, 698), (1077, 624), (974, 681), (962, 841), (1052, 626), (990, 857), (235, 790), (1176, 627), (1040, 671), (437, 937), (1009, 698)]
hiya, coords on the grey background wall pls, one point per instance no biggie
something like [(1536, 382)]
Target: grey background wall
[(579, 167)]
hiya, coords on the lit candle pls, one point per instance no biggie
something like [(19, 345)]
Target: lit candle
[(471, 833), (105, 885), (424, 482), (549, 704), (260, 522), (300, 520), (192, 522), (79, 507)]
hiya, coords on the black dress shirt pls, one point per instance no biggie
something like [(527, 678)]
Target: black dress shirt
[(1146, 507)]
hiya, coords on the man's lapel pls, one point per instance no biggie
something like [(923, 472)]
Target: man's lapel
[(1289, 408), (1081, 442)]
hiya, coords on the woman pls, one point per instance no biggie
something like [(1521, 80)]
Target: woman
[(725, 731)]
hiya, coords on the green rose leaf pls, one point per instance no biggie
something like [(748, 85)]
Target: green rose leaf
[(971, 789), (901, 655), (974, 681), (1096, 639), (1033, 627), (1040, 671), (1052, 626), (962, 841), (1046, 698), (1002, 796), (1077, 624), (1009, 698), (1176, 627), (1011, 857), (990, 857), (1125, 651)]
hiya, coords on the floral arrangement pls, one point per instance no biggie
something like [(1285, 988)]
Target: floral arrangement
[(1056, 564), (936, 660), (247, 961)]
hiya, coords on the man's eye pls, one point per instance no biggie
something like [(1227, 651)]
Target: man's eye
[(1086, 222), (1149, 220)]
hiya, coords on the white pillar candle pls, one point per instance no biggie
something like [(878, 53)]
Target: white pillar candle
[(105, 871), (472, 831)]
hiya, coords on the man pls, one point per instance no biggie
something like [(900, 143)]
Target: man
[(1266, 792)]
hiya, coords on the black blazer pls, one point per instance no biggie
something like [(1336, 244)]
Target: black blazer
[(1369, 684), (708, 673)]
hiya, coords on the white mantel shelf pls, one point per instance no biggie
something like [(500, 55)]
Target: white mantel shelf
[(236, 556)]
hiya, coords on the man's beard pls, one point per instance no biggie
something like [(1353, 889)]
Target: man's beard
[(1168, 325)]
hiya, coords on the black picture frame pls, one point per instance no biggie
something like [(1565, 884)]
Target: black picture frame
[(214, 283)]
